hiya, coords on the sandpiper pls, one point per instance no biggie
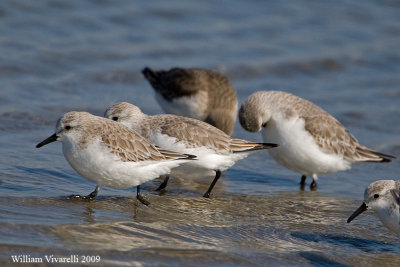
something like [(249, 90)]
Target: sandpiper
[(196, 93), (312, 142), (111, 154), (383, 198), (215, 150)]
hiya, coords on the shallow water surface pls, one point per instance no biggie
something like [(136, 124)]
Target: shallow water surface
[(58, 56)]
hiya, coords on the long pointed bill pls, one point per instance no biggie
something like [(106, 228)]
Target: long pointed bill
[(360, 210), (48, 140)]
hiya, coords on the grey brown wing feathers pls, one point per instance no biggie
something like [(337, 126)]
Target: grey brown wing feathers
[(331, 136), (130, 146)]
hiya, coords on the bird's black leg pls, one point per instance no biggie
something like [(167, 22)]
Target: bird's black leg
[(217, 175), (163, 185), (313, 185), (140, 197), (303, 182), (91, 196)]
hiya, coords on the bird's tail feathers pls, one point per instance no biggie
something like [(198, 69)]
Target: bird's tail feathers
[(373, 156), (239, 145)]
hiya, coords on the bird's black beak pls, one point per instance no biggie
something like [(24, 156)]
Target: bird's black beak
[(48, 140), (360, 210)]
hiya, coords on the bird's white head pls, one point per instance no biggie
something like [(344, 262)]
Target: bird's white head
[(70, 126), (125, 113), (256, 111), (379, 195), (383, 198)]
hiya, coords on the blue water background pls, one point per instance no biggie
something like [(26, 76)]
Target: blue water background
[(58, 56)]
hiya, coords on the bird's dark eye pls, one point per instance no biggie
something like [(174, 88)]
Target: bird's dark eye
[(115, 118), (67, 127), (376, 196)]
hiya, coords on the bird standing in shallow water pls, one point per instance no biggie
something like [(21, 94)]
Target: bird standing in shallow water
[(383, 198), (215, 150), (111, 154), (196, 93), (311, 141)]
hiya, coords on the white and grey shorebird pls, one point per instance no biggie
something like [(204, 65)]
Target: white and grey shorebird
[(311, 142), (196, 93), (110, 154), (383, 198), (215, 150)]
